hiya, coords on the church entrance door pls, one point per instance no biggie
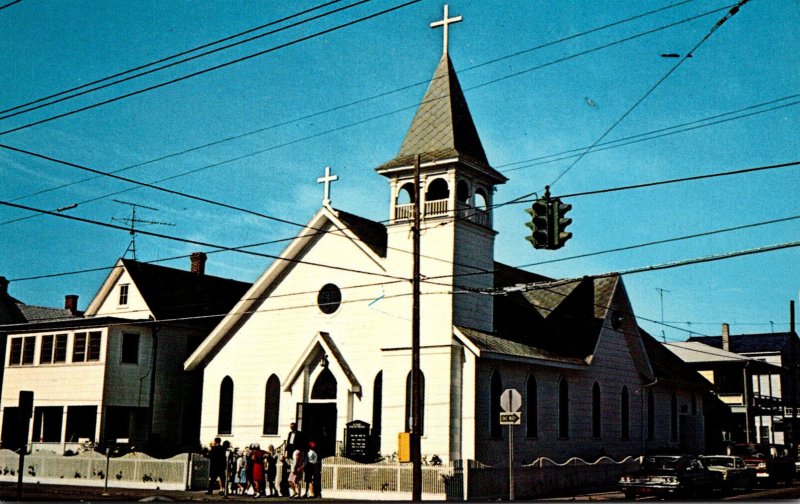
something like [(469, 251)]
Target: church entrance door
[(317, 422)]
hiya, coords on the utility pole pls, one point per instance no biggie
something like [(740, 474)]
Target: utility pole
[(132, 220), (416, 409)]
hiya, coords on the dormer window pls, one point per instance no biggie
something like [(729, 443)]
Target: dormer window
[(123, 294)]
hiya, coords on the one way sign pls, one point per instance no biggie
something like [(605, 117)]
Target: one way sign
[(510, 419)]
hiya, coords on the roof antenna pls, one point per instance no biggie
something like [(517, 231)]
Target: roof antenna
[(661, 294), (133, 221)]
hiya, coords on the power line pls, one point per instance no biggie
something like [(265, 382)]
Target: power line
[(215, 67), (179, 62), (652, 135), (719, 23), (161, 60), (666, 240), (316, 135), (9, 4), (196, 242)]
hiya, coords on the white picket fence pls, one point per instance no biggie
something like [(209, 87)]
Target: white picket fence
[(133, 470), (341, 477)]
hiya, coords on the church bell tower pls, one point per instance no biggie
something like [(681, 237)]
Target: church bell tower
[(456, 193)]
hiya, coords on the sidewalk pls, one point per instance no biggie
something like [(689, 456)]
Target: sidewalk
[(33, 492)]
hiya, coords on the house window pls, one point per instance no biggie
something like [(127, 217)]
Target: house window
[(130, 348), (563, 408), (86, 347), (46, 351), (60, 350), (123, 294), (21, 351), (532, 408), (494, 406), (409, 409), (624, 412), (596, 417), (225, 418), (272, 405)]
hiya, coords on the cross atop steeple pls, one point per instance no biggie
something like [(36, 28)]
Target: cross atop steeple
[(327, 179), (443, 23)]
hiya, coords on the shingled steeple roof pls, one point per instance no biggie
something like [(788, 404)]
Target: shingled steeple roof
[(442, 127)]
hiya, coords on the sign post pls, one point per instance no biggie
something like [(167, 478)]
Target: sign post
[(24, 412), (510, 403)]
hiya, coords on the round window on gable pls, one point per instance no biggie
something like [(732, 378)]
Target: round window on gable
[(329, 298)]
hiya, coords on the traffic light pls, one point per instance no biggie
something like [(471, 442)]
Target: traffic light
[(541, 214), (560, 223)]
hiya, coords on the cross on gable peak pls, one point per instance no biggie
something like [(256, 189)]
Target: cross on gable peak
[(444, 24), (327, 179)]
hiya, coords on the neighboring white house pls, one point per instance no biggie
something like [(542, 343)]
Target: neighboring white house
[(323, 337), (116, 372)]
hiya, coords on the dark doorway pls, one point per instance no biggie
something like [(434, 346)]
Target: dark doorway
[(81, 421), (317, 421), (47, 424), (12, 436)]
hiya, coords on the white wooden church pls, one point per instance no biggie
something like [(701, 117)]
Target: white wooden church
[(323, 337)]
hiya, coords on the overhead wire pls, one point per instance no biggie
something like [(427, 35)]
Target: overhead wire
[(213, 68), (9, 4), (160, 60), (313, 136)]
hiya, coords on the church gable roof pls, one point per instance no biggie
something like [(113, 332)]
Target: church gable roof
[(442, 127), (564, 319), (372, 233)]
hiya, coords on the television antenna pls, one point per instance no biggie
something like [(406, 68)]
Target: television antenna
[(133, 221), (661, 295)]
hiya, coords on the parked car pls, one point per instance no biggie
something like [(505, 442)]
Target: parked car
[(771, 462), (670, 476), (735, 473)]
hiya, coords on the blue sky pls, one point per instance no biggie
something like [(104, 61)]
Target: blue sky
[(521, 113)]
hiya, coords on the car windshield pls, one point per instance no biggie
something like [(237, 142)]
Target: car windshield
[(748, 451), (671, 463), (719, 461)]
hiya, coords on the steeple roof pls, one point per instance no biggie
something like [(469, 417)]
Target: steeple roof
[(442, 127)]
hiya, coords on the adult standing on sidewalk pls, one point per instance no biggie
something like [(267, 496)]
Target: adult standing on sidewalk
[(218, 464)]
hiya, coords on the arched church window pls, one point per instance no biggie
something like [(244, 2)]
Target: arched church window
[(462, 192), (563, 408), (329, 298), (272, 405), (532, 408), (225, 418), (377, 405), (437, 190), (405, 196), (494, 406), (596, 417), (421, 403), (325, 386), (481, 201)]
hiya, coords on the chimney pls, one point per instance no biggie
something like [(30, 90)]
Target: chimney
[(199, 263), (71, 303), (726, 337), (3, 285)]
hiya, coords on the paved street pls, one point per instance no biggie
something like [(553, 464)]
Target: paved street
[(73, 493)]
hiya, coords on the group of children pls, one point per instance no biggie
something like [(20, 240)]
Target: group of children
[(253, 471)]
